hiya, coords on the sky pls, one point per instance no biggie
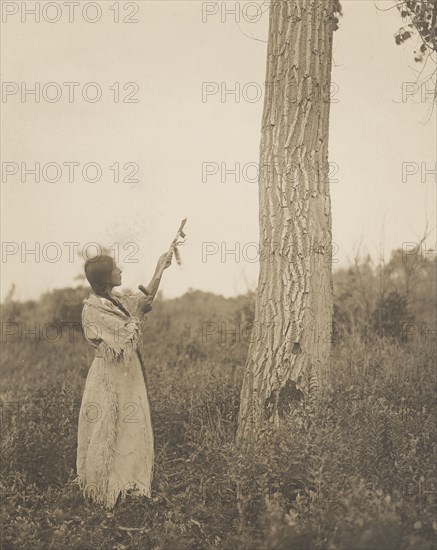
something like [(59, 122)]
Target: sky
[(149, 132)]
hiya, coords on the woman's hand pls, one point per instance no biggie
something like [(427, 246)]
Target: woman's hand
[(165, 260), (144, 306)]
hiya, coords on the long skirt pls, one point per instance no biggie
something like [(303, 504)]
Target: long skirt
[(115, 439)]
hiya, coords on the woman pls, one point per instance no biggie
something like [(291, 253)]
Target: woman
[(115, 439)]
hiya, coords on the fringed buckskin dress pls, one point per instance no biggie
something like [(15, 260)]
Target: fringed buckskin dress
[(115, 438)]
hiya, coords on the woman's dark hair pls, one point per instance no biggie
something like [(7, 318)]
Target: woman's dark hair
[(98, 272)]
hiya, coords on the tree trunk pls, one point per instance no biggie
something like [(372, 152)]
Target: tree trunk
[(290, 348)]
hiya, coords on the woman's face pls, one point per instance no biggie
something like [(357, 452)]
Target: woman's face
[(116, 276)]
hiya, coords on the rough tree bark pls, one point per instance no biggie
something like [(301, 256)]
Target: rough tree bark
[(290, 348)]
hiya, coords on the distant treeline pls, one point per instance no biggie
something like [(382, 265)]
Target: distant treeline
[(395, 299)]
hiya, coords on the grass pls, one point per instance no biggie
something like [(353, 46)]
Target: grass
[(358, 473)]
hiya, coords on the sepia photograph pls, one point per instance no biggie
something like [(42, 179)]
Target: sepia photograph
[(218, 275)]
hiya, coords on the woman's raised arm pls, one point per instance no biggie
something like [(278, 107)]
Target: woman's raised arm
[(163, 263)]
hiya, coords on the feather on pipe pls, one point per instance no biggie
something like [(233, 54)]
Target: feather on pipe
[(177, 241)]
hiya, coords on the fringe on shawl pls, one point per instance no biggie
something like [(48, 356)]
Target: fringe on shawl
[(124, 352)]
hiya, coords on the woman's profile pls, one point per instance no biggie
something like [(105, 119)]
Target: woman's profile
[(115, 438)]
